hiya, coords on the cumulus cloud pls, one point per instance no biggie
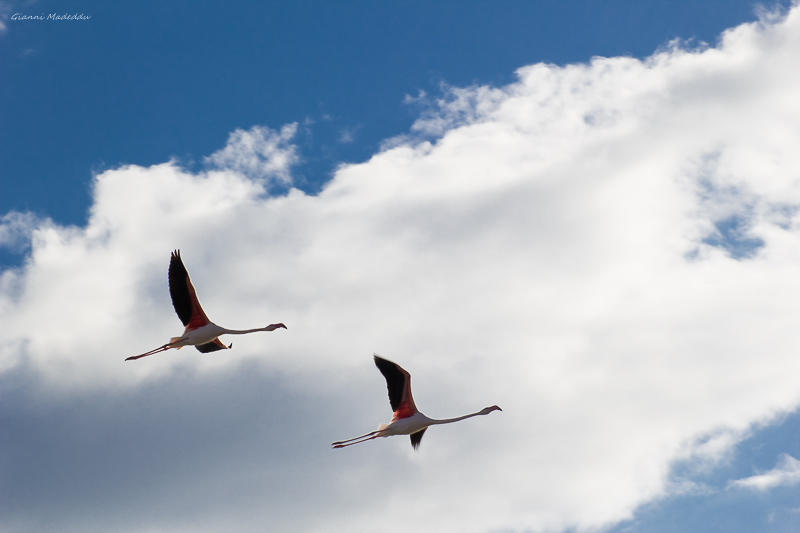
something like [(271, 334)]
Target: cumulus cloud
[(786, 472), (609, 251), (259, 153)]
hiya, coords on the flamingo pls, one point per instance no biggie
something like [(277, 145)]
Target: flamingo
[(200, 332), (406, 420)]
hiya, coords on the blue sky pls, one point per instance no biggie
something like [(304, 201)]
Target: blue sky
[(142, 83), (381, 177)]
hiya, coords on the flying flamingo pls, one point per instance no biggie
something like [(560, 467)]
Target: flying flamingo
[(200, 332), (406, 420)]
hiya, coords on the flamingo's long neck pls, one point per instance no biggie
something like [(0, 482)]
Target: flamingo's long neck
[(450, 420), (271, 327), (242, 331)]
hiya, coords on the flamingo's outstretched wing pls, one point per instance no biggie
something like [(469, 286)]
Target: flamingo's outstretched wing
[(212, 346), (184, 298), (398, 381)]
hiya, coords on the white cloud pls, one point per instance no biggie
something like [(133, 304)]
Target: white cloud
[(16, 229), (259, 153), (786, 472), (561, 250)]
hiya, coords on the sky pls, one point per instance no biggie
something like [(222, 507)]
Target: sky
[(586, 213)]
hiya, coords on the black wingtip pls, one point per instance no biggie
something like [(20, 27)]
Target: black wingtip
[(416, 438), (384, 365)]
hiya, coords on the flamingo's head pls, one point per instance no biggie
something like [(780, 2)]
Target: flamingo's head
[(487, 410)]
